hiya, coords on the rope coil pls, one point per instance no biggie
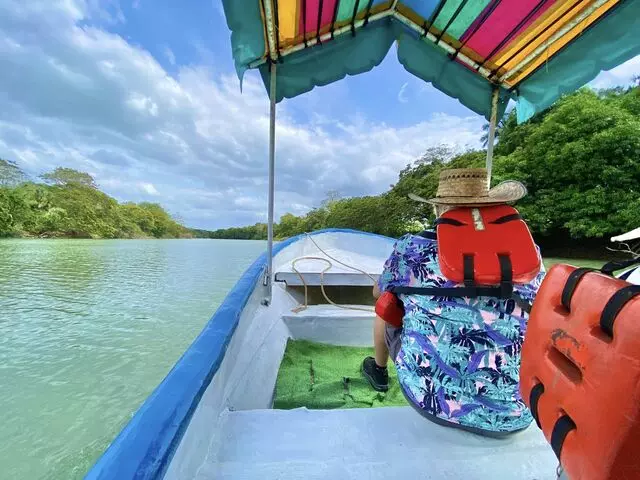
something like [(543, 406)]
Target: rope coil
[(302, 307)]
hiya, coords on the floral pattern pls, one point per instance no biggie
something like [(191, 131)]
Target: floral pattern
[(460, 357)]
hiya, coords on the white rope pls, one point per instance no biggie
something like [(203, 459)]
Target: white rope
[(302, 307)]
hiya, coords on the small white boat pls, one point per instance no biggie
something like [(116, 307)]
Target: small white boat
[(212, 416)]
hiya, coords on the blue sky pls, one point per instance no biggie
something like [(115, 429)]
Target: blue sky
[(142, 94)]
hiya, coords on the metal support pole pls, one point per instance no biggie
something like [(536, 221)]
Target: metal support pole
[(492, 131), (272, 159)]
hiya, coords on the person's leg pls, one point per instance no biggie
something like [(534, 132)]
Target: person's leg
[(386, 342), (380, 342)]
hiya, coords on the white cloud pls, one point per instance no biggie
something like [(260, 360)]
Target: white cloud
[(619, 76), (148, 188), (77, 96), (402, 97), (170, 55)]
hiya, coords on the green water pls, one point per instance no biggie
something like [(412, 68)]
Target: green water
[(87, 331)]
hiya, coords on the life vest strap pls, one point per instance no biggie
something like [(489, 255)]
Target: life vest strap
[(448, 221), (576, 276), (428, 234), (469, 292), (458, 223), (468, 269), (507, 218), (470, 289), (614, 305), (560, 431), (572, 283), (536, 392), (506, 274), (562, 426)]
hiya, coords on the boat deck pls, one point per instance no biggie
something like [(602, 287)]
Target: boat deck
[(332, 325), (330, 441), (374, 443)]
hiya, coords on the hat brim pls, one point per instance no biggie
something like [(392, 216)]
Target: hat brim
[(505, 192)]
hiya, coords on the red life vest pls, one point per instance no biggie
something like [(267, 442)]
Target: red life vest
[(580, 371), (487, 249), (475, 243)]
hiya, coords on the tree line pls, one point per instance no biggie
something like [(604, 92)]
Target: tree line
[(68, 203), (580, 161)]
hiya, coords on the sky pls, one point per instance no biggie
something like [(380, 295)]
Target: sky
[(142, 94)]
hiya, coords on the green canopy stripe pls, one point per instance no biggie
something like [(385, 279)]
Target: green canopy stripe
[(465, 18)]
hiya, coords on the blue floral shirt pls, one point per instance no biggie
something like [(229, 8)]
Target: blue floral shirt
[(459, 358)]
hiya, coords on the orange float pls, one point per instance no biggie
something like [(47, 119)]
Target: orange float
[(580, 372)]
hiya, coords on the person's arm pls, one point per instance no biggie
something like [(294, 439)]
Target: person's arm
[(389, 277)]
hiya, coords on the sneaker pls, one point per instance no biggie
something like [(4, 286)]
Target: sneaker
[(377, 376)]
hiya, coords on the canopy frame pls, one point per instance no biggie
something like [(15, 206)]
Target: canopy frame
[(497, 74), (268, 280), (492, 132), (275, 53)]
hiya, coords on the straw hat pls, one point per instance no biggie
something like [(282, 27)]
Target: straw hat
[(468, 186)]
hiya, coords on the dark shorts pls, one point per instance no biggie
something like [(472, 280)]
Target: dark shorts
[(392, 339)]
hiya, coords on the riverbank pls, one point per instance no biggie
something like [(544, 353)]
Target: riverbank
[(66, 236), (70, 205)]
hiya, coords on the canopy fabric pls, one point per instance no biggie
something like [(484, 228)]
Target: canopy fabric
[(532, 50)]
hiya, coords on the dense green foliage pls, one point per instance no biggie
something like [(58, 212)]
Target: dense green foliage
[(73, 207), (581, 164), (580, 161), (253, 232)]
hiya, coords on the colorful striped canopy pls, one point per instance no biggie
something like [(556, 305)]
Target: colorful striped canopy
[(532, 50)]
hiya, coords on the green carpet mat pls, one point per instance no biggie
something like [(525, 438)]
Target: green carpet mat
[(320, 376)]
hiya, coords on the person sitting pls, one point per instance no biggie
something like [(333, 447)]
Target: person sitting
[(457, 358)]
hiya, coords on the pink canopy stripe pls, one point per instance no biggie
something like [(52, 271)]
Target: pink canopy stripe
[(503, 20), (309, 25)]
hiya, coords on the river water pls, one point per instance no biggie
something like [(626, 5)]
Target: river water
[(88, 328)]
